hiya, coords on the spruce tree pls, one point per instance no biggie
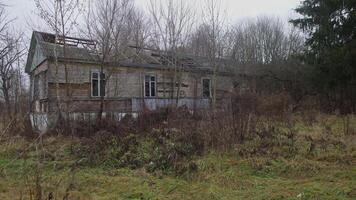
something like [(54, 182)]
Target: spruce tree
[(330, 27)]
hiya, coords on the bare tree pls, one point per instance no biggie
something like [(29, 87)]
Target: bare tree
[(4, 21), (267, 49), (113, 24), (138, 29), (10, 52), (199, 43), (263, 41), (61, 17), (172, 24), (214, 19)]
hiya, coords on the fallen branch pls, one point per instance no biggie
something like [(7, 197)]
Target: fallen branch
[(7, 128)]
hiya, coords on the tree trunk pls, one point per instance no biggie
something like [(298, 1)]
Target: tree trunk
[(101, 106), (179, 85), (5, 91)]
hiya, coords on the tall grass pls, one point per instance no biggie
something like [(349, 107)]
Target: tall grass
[(260, 133)]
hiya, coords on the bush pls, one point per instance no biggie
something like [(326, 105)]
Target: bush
[(166, 150)]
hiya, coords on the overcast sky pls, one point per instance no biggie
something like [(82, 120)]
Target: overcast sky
[(236, 10)]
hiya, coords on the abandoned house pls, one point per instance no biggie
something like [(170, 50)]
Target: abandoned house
[(145, 80)]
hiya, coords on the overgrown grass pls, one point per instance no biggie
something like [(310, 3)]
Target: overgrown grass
[(218, 177), (277, 173)]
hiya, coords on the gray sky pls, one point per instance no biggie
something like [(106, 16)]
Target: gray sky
[(236, 10)]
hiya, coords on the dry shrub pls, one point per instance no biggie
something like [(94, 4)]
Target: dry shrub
[(252, 117), (245, 102), (309, 116), (166, 150), (152, 119), (18, 126), (308, 103), (86, 128), (165, 139), (274, 106), (222, 131)]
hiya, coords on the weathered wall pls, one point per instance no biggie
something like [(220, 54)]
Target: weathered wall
[(122, 83), (128, 82), (117, 105), (39, 88)]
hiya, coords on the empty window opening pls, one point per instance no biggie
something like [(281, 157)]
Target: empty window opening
[(206, 88)]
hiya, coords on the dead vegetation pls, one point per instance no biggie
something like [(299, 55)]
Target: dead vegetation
[(260, 133)]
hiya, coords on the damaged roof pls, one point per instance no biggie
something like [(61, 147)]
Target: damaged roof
[(45, 46)]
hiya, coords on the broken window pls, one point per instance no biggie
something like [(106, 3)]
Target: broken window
[(98, 84), (206, 88), (150, 86)]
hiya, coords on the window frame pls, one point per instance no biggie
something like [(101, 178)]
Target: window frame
[(210, 86), (150, 85), (98, 72)]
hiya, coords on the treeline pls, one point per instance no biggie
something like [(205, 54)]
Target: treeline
[(13, 95)]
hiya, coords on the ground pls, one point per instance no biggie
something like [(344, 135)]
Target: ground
[(220, 175)]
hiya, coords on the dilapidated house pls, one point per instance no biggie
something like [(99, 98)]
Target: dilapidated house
[(145, 80)]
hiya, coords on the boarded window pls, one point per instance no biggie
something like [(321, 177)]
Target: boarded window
[(150, 86), (206, 88), (36, 83), (98, 84), (42, 85)]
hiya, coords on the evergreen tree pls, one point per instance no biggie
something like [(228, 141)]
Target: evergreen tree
[(330, 26)]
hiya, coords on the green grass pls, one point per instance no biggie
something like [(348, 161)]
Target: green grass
[(219, 175)]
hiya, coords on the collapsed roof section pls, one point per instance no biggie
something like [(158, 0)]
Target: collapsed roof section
[(46, 46)]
